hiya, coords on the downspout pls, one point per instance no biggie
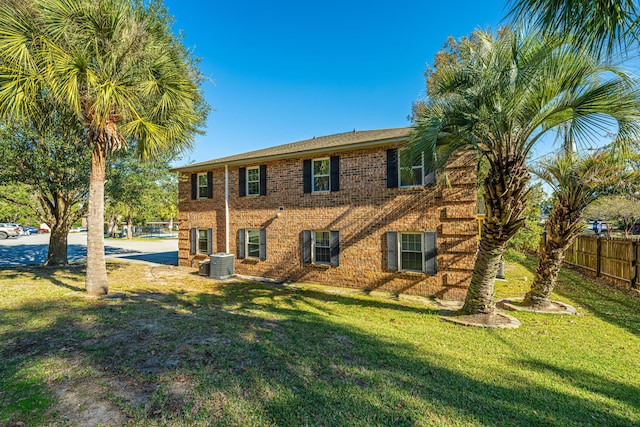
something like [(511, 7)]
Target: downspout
[(226, 208)]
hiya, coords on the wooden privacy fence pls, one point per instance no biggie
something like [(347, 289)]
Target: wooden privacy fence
[(611, 258)]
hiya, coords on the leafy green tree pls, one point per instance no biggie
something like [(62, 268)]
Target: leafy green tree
[(603, 26), (136, 190), (498, 102), (48, 156), (577, 181), (16, 201), (624, 210), (117, 65)]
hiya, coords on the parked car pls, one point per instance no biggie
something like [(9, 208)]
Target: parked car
[(8, 230)]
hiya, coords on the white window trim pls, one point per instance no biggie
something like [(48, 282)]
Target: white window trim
[(313, 175), (247, 181), (246, 243), (313, 247), (206, 187), (400, 251), (206, 231), (412, 167)]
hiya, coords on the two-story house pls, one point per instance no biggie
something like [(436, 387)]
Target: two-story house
[(349, 210)]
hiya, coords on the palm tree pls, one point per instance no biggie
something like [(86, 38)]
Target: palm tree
[(504, 95), (603, 26), (577, 181), (117, 66)]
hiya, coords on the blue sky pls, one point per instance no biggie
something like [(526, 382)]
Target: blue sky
[(283, 71)]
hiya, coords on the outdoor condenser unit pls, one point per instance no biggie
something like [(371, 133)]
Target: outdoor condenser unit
[(221, 265)]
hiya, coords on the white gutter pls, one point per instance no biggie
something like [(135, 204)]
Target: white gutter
[(226, 208)]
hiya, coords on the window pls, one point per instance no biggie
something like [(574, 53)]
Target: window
[(203, 241), (411, 251), (253, 181), (411, 170), (203, 186), (253, 243), (321, 175), (321, 247)]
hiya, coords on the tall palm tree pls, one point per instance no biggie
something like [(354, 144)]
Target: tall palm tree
[(577, 181), (116, 64), (504, 95), (603, 26)]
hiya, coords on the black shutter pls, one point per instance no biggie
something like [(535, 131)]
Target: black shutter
[(263, 244), (335, 173), (194, 241), (306, 247), (241, 243), (210, 185), (194, 186), (306, 176), (334, 243), (392, 168), (430, 253), (392, 250), (242, 182), (209, 241), (263, 180)]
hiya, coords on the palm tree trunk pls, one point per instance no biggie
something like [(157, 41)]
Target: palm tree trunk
[(562, 229), (505, 200), (549, 263), (480, 296), (96, 280)]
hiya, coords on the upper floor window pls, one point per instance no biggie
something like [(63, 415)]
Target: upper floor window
[(321, 171), (321, 175), (203, 186), (411, 170), (253, 181)]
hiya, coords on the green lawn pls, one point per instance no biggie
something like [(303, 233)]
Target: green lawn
[(179, 349)]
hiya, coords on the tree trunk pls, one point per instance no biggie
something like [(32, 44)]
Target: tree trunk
[(96, 280), (505, 201), (57, 251), (562, 228), (129, 227), (549, 265)]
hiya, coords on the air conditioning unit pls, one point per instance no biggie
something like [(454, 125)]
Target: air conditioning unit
[(203, 268), (221, 265)]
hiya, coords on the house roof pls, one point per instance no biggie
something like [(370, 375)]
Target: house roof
[(340, 141)]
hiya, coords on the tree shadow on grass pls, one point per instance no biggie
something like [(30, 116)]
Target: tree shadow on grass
[(253, 354)]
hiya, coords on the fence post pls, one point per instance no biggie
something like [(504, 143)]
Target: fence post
[(598, 259), (634, 264)]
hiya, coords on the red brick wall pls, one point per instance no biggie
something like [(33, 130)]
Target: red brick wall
[(363, 211)]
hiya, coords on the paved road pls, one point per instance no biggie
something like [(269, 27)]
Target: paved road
[(32, 249)]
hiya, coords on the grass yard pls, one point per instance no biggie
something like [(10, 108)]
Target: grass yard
[(179, 349)]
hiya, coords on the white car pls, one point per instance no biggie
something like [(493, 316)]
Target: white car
[(8, 230)]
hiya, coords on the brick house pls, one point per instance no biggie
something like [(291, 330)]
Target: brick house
[(349, 210)]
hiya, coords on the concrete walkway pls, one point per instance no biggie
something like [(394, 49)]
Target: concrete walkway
[(29, 250)]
